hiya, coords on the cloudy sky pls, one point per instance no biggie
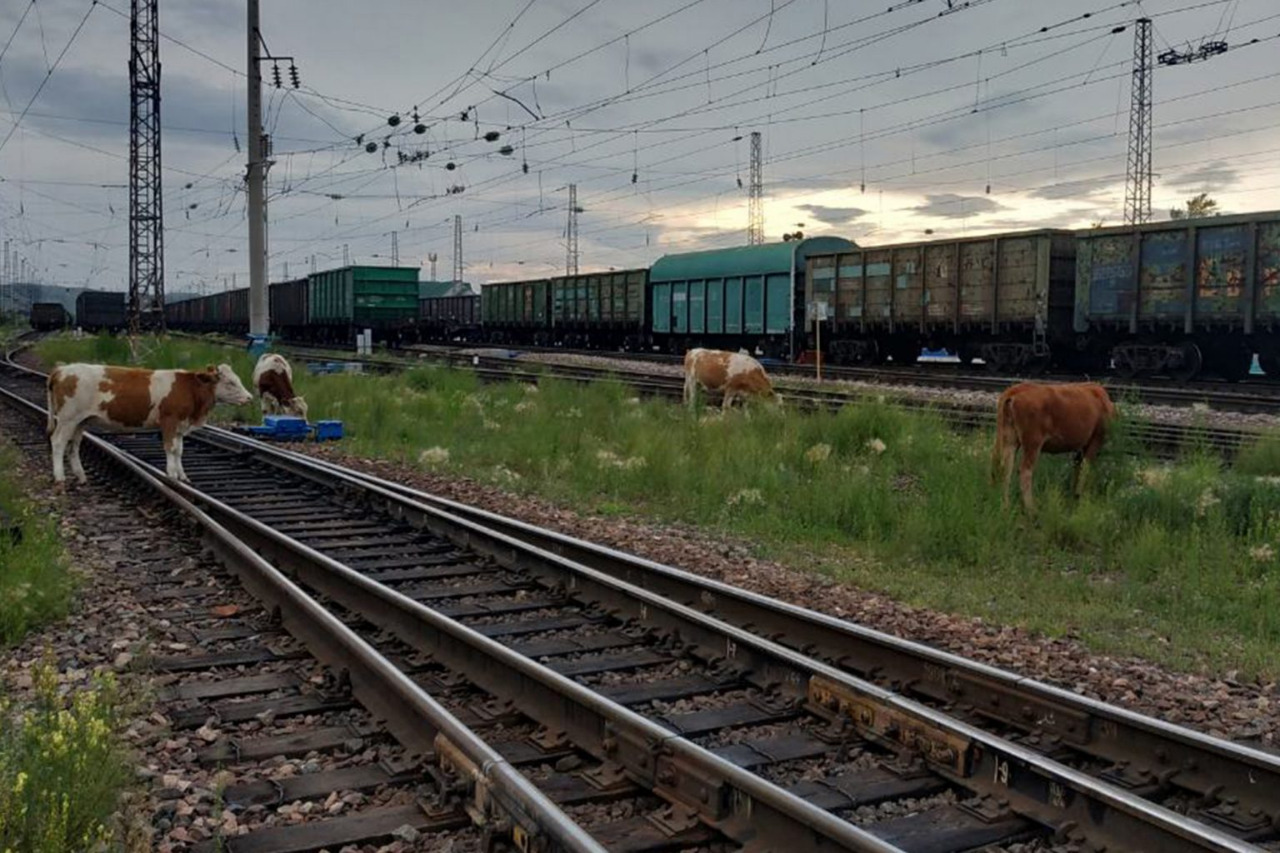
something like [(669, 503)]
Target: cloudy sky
[(880, 123)]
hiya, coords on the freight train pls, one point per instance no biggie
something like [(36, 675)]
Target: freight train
[(1171, 298), (49, 316)]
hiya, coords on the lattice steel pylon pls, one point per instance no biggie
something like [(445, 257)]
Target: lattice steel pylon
[(457, 249), (755, 195), (146, 211), (571, 234), (1137, 190)]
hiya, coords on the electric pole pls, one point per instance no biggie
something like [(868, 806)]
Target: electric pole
[(259, 311), (146, 211), (755, 195), (395, 249), (571, 244), (457, 249), (1137, 191)]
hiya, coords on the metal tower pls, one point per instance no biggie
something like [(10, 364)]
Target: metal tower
[(146, 213), (1137, 191), (571, 232), (433, 257), (457, 249), (395, 249), (755, 195)]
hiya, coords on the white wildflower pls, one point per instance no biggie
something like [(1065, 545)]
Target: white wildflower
[(434, 456), (1205, 502), (531, 389), (1269, 480), (1199, 407), (1153, 477), (1262, 553), (818, 453), (609, 459), (572, 413), (504, 474), (525, 406), (633, 401), (745, 497), (492, 426), (877, 446)]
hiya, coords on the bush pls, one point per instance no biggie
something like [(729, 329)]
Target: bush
[(61, 767)]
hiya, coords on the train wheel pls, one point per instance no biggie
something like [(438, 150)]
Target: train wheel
[(1192, 362)]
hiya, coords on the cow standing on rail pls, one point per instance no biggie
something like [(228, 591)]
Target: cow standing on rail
[(176, 401), (737, 374), (273, 377), (1069, 418)]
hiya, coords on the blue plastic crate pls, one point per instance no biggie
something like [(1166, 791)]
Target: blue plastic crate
[(328, 430), (285, 424)]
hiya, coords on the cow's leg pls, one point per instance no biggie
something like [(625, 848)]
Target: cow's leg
[(1030, 453), (729, 396), (172, 460), (690, 389), (77, 467), (58, 441), (1084, 462), (1007, 454)]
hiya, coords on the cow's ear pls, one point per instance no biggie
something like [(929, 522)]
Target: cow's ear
[(208, 377)]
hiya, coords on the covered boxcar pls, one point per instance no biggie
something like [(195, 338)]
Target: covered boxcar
[(449, 318), (49, 316), (1005, 298), (1172, 297), (288, 306), (100, 310), (344, 301), (743, 297)]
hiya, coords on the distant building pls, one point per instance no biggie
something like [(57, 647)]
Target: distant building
[(436, 289)]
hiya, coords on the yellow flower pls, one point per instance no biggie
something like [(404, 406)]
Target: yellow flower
[(20, 783)]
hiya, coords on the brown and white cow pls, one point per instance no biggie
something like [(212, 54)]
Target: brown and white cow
[(1068, 418), (273, 377), (176, 401), (736, 374)]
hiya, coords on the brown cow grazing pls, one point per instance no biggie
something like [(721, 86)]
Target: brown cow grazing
[(737, 374), (1070, 418), (176, 401), (273, 377)]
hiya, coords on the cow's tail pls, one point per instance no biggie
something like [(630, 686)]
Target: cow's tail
[(1004, 435), (48, 403)]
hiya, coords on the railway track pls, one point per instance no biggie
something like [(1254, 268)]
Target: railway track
[(1257, 395), (539, 678)]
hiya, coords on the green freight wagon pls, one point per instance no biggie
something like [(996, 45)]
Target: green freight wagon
[(748, 297), (1173, 297), (343, 302), (1004, 298), (517, 312), (600, 310)]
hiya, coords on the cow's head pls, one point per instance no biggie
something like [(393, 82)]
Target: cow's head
[(227, 387), (296, 406)]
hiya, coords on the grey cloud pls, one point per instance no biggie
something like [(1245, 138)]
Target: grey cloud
[(953, 206), (1213, 176), (834, 215), (1080, 188)]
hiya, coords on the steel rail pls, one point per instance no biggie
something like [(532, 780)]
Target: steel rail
[(1041, 788), (1244, 780), (500, 798)]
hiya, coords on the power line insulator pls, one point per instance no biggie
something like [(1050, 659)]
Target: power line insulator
[(294, 77), (394, 120), (275, 73), (419, 128), (507, 150), (371, 147), (451, 165), (492, 136)]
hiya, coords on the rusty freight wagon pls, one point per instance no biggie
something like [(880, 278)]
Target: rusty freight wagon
[(1004, 298), (449, 318), (599, 310), (1175, 297)]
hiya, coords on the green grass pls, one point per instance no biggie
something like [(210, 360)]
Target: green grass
[(62, 767), (36, 583), (1178, 563)]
